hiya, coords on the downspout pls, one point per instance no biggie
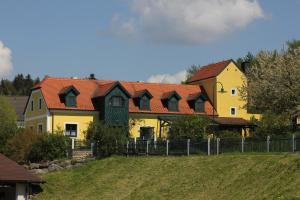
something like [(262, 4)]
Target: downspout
[(52, 122)]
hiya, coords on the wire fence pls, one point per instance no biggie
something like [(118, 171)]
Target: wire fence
[(210, 146)]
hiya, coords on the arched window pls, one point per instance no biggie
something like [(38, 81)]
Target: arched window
[(116, 101)]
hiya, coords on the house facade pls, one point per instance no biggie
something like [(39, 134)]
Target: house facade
[(148, 109)]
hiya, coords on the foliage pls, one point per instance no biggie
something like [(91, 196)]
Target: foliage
[(49, 147), (228, 134), (272, 124), (107, 138), (189, 127), (8, 119), (226, 177), (19, 86), (18, 147), (274, 81), (191, 71)]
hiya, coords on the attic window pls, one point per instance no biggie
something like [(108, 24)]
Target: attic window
[(173, 105), (200, 105), (69, 96), (144, 103)]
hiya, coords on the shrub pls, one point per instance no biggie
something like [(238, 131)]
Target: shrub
[(107, 138), (275, 125), (19, 146), (8, 119), (189, 127), (49, 147), (228, 134)]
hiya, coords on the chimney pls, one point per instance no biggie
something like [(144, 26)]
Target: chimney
[(245, 66), (92, 77)]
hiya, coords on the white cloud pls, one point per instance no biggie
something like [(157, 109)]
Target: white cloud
[(168, 78), (5, 61), (186, 21)]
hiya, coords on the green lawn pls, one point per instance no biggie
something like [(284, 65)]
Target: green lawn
[(197, 177)]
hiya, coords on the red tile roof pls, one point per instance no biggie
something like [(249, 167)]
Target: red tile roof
[(88, 89), (232, 121), (209, 71), (10, 171)]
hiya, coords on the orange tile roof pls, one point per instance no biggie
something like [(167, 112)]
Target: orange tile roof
[(88, 89), (209, 71)]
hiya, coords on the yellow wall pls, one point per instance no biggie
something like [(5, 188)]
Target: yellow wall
[(35, 96), (33, 124), (144, 120), (59, 119)]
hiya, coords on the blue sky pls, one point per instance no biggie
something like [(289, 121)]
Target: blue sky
[(133, 40)]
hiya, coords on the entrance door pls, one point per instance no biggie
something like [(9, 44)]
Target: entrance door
[(146, 133)]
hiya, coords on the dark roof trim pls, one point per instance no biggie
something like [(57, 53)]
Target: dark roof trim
[(68, 89), (114, 85), (193, 97), (141, 93)]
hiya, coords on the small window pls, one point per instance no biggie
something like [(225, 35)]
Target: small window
[(233, 111), (144, 103), (71, 130), (233, 92), (31, 108), (116, 101), (199, 105), (40, 103), (173, 105), (40, 128), (71, 100), (146, 133)]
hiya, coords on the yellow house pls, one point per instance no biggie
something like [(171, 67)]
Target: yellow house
[(69, 104)]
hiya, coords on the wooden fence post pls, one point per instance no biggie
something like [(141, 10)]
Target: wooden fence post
[(73, 143), (135, 143), (127, 147), (268, 144), (218, 146), (167, 148), (243, 143), (208, 146), (188, 147)]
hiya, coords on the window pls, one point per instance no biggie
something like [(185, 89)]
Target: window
[(233, 92), (31, 105), (199, 105), (40, 128), (144, 103), (71, 100), (71, 130), (146, 133), (40, 103), (233, 111), (116, 101), (173, 105)]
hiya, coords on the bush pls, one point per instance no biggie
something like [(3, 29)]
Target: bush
[(19, 146), (107, 138), (189, 127), (27, 145), (271, 124), (49, 147), (8, 125), (228, 134)]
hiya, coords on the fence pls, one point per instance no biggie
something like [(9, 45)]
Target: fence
[(210, 146)]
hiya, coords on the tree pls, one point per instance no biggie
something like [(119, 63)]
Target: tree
[(273, 82), (190, 127), (191, 71), (8, 119)]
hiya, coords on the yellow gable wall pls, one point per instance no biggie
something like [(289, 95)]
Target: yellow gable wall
[(136, 121), (59, 119), (231, 78), (35, 96)]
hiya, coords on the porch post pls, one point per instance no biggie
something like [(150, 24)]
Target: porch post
[(208, 146), (167, 148), (188, 147)]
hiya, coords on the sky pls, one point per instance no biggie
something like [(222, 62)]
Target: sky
[(137, 40)]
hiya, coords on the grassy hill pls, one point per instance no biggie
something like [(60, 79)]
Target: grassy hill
[(196, 177)]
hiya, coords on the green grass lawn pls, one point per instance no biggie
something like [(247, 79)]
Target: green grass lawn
[(222, 177)]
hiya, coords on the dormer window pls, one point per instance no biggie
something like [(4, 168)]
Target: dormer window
[(197, 102), (116, 101), (171, 101), (142, 99), (69, 96)]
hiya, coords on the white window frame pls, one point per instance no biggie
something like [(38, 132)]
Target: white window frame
[(37, 128), (235, 89), (233, 107), (74, 123)]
